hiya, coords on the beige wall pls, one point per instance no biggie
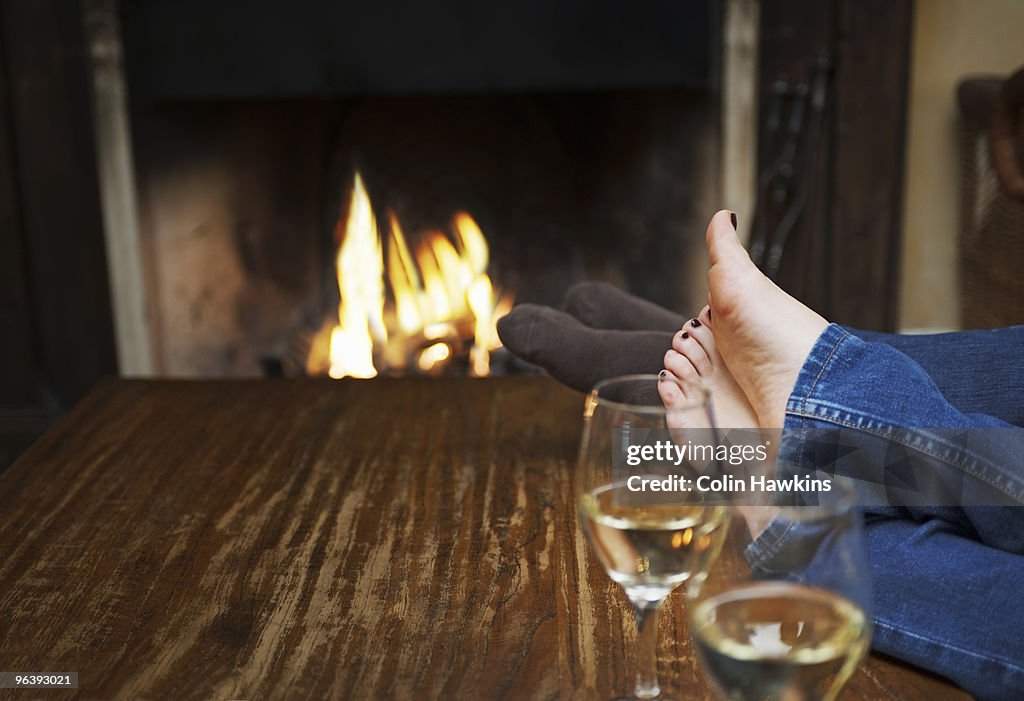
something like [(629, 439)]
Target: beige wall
[(951, 38)]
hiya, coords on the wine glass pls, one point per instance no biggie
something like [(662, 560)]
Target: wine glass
[(648, 533), (784, 614)]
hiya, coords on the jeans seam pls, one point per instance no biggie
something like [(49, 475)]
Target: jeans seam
[(760, 552), (879, 623), (890, 435), (824, 365)]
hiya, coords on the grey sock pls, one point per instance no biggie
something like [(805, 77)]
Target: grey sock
[(603, 306), (577, 355)]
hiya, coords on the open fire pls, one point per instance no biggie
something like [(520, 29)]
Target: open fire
[(408, 309)]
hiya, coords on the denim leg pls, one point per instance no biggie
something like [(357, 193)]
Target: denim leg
[(940, 600), (948, 604), (887, 403), (944, 597), (976, 371)]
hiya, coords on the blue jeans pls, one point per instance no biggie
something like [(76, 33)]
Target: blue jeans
[(946, 577)]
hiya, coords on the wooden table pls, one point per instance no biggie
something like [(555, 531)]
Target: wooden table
[(317, 539)]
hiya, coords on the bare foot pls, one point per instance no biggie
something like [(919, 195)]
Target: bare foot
[(762, 333), (694, 357)]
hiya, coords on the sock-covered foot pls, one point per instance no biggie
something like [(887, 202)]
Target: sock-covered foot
[(694, 357), (575, 354), (762, 333), (603, 306)]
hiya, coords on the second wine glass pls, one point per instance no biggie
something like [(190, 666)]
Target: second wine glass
[(648, 532), (785, 613)]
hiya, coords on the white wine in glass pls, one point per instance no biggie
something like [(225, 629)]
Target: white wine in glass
[(649, 549), (791, 622), (649, 541)]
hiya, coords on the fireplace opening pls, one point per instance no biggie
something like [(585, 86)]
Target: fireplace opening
[(241, 203), (577, 159)]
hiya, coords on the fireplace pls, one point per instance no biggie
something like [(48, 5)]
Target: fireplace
[(581, 140), (176, 169)]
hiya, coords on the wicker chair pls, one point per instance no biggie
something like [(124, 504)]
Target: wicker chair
[(992, 206)]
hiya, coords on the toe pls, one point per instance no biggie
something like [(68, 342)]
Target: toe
[(703, 336), (678, 395), (680, 338), (721, 238), (705, 314), (681, 366), (734, 282), (669, 389), (686, 344)]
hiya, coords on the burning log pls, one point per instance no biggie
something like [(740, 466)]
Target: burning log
[(419, 311)]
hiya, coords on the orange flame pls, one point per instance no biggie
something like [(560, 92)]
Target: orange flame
[(360, 267), (432, 297)]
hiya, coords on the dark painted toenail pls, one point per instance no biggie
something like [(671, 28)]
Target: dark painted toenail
[(662, 375), (694, 323), (686, 335), (732, 216)]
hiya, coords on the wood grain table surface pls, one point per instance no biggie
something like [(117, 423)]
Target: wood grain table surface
[(283, 539)]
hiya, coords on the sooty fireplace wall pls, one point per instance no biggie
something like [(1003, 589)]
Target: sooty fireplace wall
[(581, 136)]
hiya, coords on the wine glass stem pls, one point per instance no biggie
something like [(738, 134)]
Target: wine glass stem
[(647, 649)]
